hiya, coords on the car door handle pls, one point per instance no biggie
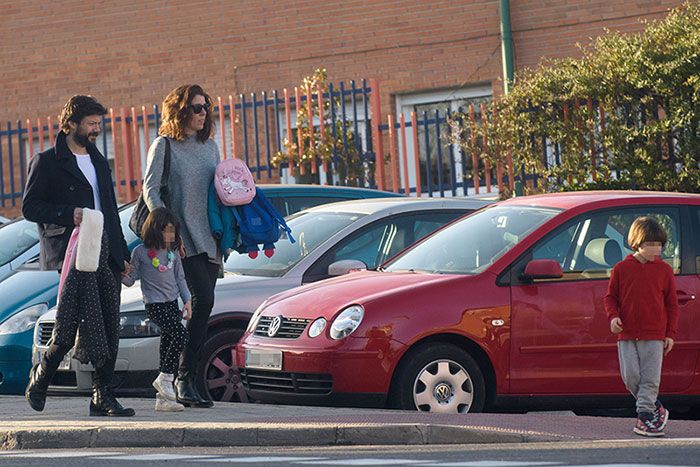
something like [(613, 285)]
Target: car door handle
[(684, 297)]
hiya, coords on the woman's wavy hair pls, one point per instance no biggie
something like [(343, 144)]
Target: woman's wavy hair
[(176, 113)]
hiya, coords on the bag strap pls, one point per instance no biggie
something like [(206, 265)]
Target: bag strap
[(165, 176)]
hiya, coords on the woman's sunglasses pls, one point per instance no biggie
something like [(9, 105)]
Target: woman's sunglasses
[(197, 108)]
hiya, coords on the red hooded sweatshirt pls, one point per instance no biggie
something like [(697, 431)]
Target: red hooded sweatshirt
[(643, 296)]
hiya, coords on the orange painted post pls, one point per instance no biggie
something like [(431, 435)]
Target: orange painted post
[(594, 174), (222, 124), (404, 156), (511, 171), (322, 126), (377, 143), (40, 126), (232, 120), (565, 108), (30, 138), (127, 155), (392, 156), (287, 114), (136, 145), (475, 159), (499, 164), (601, 110), (487, 164), (50, 124), (117, 178), (146, 129), (416, 153), (310, 115), (300, 139)]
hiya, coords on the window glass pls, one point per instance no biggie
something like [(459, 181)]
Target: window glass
[(590, 246), (16, 238), (377, 242), (309, 229), (124, 217), (475, 242)]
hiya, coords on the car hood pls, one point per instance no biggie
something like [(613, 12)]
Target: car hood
[(234, 292), (326, 298), (25, 288)]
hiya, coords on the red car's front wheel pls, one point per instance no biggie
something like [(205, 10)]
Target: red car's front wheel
[(440, 378)]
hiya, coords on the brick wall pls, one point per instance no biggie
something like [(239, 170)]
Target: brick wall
[(133, 52)]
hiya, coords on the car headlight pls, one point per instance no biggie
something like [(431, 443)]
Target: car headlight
[(347, 321), (137, 324), (317, 327), (24, 320), (256, 316)]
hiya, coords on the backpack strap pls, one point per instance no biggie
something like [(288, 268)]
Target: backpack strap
[(278, 217)]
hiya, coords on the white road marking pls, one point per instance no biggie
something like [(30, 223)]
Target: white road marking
[(156, 457), (61, 454), (260, 459), (369, 462), (494, 464)]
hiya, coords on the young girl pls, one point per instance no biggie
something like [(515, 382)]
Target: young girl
[(158, 265)]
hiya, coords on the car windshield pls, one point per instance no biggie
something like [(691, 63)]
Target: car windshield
[(16, 238), (309, 229), (469, 246)]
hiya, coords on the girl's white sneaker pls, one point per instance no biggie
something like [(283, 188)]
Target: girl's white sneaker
[(166, 405), (164, 385)]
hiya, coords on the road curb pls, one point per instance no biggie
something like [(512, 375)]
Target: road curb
[(261, 434)]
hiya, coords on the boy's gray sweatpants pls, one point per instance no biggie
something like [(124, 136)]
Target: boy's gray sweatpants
[(640, 367)]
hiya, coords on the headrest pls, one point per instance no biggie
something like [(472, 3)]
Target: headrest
[(605, 252)]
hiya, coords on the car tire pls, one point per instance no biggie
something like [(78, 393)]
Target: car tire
[(455, 383), (219, 378)]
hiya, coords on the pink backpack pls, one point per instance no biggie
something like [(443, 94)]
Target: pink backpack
[(234, 183)]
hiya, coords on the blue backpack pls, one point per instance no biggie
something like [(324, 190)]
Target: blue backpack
[(259, 223)]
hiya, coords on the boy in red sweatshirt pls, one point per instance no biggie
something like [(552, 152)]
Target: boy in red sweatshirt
[(642, 310)]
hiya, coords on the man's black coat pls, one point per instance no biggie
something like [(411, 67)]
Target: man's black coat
[(55, 187)]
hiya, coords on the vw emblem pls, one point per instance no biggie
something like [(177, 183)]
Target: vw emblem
[(442, 392), (274, 326)]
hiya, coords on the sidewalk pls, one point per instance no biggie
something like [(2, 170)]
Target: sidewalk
[(65, 424)]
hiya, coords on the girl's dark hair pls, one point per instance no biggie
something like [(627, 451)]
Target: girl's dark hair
[(177, 113), (646, 229), (155, 224), (77, 108)]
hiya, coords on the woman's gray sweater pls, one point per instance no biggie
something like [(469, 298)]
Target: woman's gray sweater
[(192, 166)]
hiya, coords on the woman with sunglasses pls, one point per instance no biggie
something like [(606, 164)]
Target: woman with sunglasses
[(187, 124)]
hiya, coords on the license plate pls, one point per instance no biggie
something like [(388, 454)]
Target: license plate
[(263, 359), (65, 363)]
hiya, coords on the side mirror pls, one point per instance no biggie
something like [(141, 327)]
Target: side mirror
[(345, 266), (542, 269)]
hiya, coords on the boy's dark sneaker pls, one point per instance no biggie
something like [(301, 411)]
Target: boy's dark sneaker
[(647, 425), (661, 416)]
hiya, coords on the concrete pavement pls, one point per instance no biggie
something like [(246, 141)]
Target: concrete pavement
[(65, 424)]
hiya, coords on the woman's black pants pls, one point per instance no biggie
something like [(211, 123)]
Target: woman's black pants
[(201, 277)]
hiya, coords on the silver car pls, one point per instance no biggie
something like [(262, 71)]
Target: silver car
[(332, 239)]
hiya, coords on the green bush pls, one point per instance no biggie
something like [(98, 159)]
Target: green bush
[(646, 86)]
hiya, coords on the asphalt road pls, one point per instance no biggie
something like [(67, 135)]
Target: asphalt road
[(630, 452)]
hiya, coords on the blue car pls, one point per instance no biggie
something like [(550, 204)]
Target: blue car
[(27, 292)]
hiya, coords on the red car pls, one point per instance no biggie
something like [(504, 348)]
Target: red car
[(499, 309)]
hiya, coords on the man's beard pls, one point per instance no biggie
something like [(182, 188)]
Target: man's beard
[(83, 139)]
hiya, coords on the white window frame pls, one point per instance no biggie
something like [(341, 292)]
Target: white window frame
[(405, 104)]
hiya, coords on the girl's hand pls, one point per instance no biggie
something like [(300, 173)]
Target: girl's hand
[(668, 345), (187, 312), (616, 326)]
